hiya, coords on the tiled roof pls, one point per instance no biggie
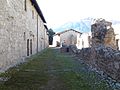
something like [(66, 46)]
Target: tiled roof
[(34, 2)]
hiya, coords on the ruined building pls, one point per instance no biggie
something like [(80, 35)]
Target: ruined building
[(103, 34), (103, 55), (22, 31)]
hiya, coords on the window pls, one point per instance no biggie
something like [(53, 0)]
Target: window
[(32, 14), (27, 47), (30, 46), (25, 6), (24, 36)]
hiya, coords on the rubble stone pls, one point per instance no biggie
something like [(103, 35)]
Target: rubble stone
[(103, 33), (103, 54)]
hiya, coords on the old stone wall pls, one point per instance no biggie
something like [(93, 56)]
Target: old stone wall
[(103, 54), (103, 33), (104, 59), (17, 26), (100, 57)]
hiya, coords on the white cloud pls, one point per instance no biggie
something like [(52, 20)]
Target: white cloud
[(58, 12)]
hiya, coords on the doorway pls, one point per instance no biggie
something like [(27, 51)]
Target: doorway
[(58, 44), (31, 46), (27, 47)]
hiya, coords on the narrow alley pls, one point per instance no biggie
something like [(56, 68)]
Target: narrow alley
[(52, 70)]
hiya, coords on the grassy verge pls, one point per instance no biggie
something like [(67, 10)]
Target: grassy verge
[(28, 76), (52, 70)]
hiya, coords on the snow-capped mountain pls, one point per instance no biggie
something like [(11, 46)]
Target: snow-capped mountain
[(83, 25)]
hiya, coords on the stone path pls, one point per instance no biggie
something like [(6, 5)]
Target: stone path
[(52, 70)]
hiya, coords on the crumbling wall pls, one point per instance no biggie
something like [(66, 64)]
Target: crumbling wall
[(103, 58), (103, 54), (103, 33)]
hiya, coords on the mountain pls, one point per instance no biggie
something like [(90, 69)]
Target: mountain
[(115, 22), (83, 25)]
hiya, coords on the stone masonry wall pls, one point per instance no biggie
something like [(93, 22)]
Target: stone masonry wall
[(103, 33), (102, 55), (104, 59), (16, 27)]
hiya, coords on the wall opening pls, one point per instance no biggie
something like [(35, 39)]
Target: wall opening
[(57, 44), (89, 41), (30, 46), (24, 36), (25, 5), (117, 41), (32, 14), (67, 49), (27, 47)]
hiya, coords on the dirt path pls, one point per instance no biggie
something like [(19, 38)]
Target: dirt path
[(52, 70)]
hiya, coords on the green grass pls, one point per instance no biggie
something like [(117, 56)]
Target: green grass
[(52, 70)]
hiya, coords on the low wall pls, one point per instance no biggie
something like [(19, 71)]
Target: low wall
[(103, 58)]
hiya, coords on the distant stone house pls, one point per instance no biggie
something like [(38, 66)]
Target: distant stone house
[(22, 31), (85, 40), (66, 38)]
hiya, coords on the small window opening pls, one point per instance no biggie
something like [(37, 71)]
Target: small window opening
[(32, 14), (25, 5)]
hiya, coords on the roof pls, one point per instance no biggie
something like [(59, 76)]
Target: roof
[(34, 2), (46, 27), (67, 31)]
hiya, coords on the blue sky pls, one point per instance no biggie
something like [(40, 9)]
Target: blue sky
[(58, 12)]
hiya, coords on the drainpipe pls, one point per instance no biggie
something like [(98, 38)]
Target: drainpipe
[(37, 33)]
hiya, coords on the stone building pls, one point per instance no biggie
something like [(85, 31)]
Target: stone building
[(67, 37), (85, 40), (103, 55), (22, 31)]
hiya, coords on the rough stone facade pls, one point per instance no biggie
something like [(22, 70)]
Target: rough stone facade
[(104, 59), (102, 55), (103, 33), (22, 31)]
